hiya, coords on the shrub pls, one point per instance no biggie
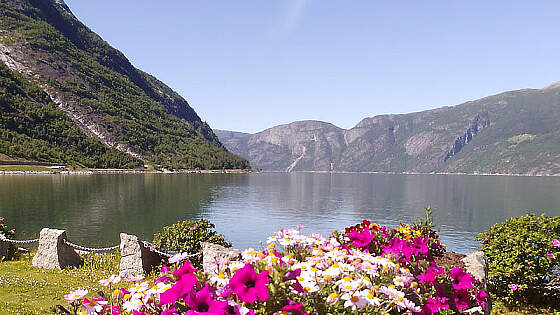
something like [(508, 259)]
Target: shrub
[(8, 233), (522, 253), (186, 236)]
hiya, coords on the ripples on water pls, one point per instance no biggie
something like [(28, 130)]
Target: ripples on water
[(248, 208)]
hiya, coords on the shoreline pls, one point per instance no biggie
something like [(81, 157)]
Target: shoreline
[(126, 171), (238, 171)]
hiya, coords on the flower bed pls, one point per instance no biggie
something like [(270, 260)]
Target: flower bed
[(367, 269)]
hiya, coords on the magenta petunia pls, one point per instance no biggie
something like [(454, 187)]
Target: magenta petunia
[(186, 269), (461, 299), (461, 279), (170, 311), (292, 308), (481, 298), (165, 269), (556, 243), (361, 239), (179, 290), (202, 302), (433, 306), (400, 248), (430, 275), (420, 246), (250, 286), (292, 275)]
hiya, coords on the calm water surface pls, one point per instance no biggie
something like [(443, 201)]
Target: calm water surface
[(247, 208)]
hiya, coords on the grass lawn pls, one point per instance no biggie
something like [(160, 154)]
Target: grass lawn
[(28, 290)]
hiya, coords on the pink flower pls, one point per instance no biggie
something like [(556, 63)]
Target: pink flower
[(420, 246), (299, 227), (164, 269), (461, 279), (115, 310), (250, 286), (292, 275), (186, 269), (461, 299), (430, 275), (556, 243), (169, 311), (186, 280), (361, 239), (293, 307), (513, 287), (203, 302), (481, 298), (550, 255), (434, 305), (192, 229)]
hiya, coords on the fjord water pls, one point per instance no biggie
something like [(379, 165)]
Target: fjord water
[(247, 208)]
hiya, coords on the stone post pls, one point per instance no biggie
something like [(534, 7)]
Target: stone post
[(53, 253), (213, 254), (136, 259), (477, 265)]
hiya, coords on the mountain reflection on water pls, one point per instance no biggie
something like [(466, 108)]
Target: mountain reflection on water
[(248, 208)]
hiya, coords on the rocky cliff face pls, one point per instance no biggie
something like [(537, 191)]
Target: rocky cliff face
[(474, 137)]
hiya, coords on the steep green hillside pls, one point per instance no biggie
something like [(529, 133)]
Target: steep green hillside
[(33, 128), (516, 132), (101, 92)]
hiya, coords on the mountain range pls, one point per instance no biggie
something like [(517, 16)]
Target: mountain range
[(516, 132), (68, 97)]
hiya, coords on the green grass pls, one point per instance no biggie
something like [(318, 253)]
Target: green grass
[(26, 168), (28, 290)]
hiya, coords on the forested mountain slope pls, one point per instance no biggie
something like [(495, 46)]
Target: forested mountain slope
[(100, 91)]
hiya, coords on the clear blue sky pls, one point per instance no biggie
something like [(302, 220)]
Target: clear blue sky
[(251, 65)]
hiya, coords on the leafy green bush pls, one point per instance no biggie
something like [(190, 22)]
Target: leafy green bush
[(8, 233), (522, 254), (186, 236)]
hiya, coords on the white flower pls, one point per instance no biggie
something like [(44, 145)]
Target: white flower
[(114, 279), (75, 295), (178, 257), (94, 306), (370, 298), (354, 301), (333, 298), (391, 292), (220, 279)]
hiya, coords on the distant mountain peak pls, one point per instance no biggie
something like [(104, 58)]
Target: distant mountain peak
[(554, 85)]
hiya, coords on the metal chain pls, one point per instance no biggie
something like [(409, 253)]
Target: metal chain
[(154, 249), (4, 239), (88, 249)]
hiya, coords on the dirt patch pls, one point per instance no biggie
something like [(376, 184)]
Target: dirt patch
[(451, 260)]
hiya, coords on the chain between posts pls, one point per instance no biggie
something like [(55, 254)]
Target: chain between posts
[(4, 239), (151, 247), (88, 249)]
